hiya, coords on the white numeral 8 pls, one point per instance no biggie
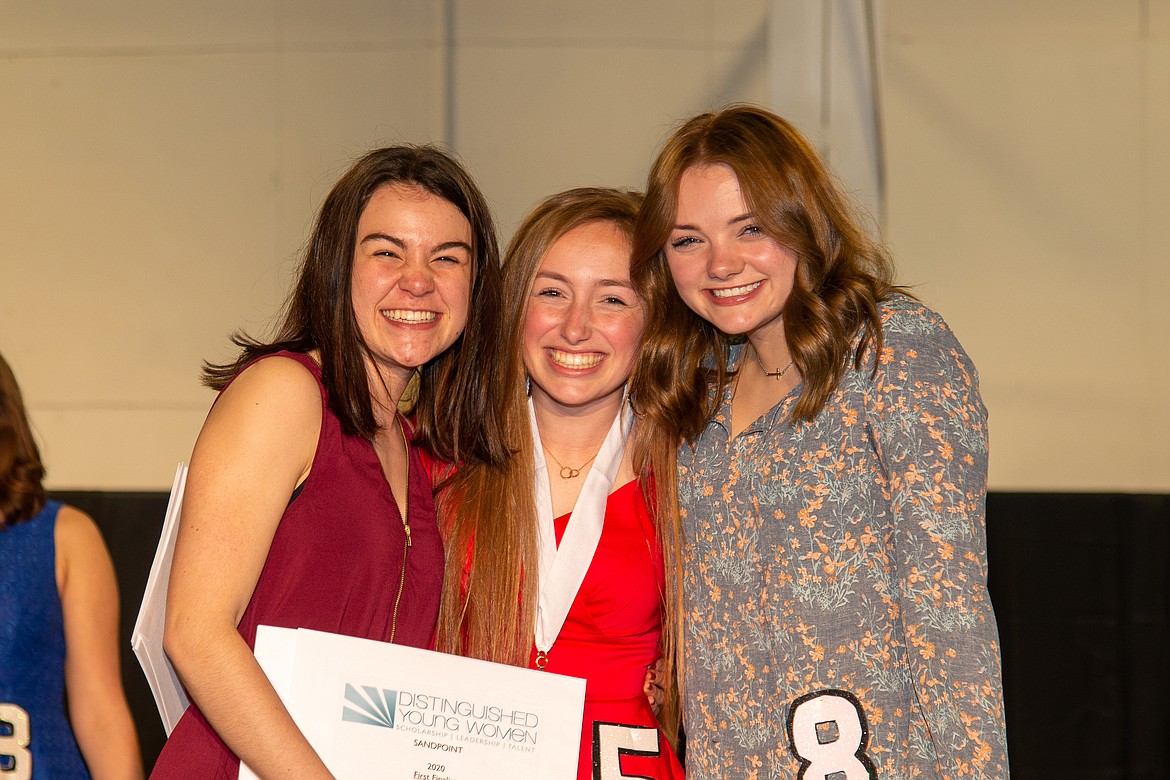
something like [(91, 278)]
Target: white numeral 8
[(611, 741), (15, 760), (828, 733)]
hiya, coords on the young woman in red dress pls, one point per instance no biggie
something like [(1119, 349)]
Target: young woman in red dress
[(569, 522)]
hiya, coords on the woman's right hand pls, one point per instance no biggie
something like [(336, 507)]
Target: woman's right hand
[(652, 687)]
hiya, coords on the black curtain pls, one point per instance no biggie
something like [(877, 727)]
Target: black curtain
[(1080, 585)]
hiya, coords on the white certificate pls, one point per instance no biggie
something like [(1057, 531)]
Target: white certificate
[(376, 710), (146, 639)]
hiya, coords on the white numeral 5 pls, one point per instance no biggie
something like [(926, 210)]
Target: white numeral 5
[(611, 741)]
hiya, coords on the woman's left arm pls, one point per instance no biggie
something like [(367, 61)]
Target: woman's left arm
[(98, 710), (930, 426)]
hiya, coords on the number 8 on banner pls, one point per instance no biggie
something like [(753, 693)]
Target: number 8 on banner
[(15, 760), (828, 733)]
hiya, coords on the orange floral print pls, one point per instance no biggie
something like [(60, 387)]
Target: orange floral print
[(840, 566)]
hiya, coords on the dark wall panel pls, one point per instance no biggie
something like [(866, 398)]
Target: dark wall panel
[(1080, 585)]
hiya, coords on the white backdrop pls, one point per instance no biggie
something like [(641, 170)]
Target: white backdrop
[(160, 163)]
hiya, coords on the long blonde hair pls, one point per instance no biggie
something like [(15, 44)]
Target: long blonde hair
[(489, 511)]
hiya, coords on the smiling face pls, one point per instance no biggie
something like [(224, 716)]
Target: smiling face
[(584, 320), (725, 268), (411, 278)]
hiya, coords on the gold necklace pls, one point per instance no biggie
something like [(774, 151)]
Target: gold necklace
[(568, 472), (774, 374)]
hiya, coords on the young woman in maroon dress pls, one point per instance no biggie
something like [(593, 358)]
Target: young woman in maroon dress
[(568, 522), (306, 503)]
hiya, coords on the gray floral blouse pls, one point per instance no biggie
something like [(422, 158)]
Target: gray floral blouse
[(837, 623)]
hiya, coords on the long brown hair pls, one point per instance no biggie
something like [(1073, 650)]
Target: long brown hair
[(454, 413), (842, 274), (490, 588), (22, 495)]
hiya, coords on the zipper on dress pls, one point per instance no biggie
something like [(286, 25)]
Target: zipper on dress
[(401, 579), (406, 543)]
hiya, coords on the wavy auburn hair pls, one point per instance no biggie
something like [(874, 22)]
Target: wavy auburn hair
[(842, 274), (22, 495), (454, 410), (490, 590)]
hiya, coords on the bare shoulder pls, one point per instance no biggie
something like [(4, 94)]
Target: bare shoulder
[(263, 427), (276, 390), (82, 556), (76, 529), (276, 376)]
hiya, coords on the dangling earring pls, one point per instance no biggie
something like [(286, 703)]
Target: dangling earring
[(527, 385)]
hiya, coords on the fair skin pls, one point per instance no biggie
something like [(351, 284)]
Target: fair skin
[(411, 293), (410, 287), (581, 333), (737, 278), (98, 711)]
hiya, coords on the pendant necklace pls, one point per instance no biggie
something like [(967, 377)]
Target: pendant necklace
[(568, 472), (774, 374)]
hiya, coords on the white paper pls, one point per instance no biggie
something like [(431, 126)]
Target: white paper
[(376, 710), (146, 639), (274, 651)]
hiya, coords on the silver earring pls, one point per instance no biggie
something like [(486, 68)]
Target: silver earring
[(527, 385)]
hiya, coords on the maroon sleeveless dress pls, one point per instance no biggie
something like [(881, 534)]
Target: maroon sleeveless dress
[(335, 565)]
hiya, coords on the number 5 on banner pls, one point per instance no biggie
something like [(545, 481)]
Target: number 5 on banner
[(15, 760), (611, 741)]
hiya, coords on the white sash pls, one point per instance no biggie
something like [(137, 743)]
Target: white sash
[(562, 569)]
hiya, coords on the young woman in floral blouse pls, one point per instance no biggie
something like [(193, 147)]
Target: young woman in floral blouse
[(832, 487)]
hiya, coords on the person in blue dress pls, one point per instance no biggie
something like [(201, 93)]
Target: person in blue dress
[(58, 627)]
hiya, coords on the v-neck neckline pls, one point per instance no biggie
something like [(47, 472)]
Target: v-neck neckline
[(765, 420)]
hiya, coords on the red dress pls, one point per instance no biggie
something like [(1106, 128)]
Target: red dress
[(334, 565), (610, 638)]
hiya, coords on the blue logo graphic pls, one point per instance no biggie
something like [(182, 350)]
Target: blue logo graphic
[(375, 708)]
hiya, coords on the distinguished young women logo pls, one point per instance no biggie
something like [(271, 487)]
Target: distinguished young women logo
[(377, 706), (423, 713)]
